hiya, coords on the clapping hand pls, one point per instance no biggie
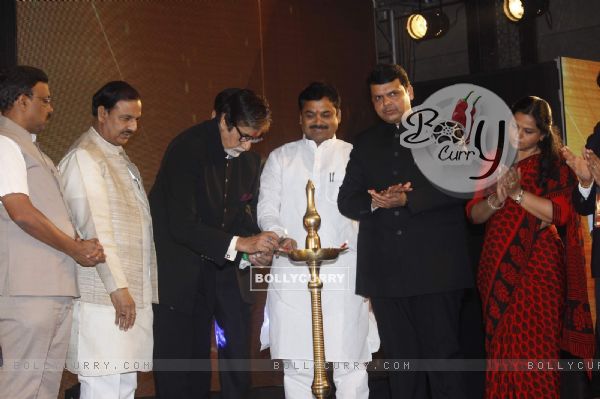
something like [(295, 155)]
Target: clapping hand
[(392, 197), (579, 165), (593, 163), (509, 184)]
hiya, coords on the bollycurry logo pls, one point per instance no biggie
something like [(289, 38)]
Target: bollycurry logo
[(459, 138), (296, 278)]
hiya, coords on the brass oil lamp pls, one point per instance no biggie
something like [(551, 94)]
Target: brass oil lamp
[(314, 255)]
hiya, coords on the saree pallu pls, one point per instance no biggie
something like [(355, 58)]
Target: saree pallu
[(533, 289)]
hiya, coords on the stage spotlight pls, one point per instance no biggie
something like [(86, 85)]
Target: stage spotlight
[(519, 10), (427, 25)]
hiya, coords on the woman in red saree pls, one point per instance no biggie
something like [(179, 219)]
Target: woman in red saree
[(532, 282)]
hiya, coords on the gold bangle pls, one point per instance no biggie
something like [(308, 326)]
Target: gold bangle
[(491, 205)]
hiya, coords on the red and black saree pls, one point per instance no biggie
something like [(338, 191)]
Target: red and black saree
[(533, 289)]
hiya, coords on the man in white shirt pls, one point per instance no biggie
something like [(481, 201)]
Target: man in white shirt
[(38, 245), (350, 335), (112, 321)]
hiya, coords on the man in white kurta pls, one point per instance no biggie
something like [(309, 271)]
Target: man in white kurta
[(350, 332), (111, 337)]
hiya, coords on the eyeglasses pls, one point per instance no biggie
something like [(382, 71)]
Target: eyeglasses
[(246, 138), (45, 100)]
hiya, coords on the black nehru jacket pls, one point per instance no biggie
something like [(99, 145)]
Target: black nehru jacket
[(405, 251)]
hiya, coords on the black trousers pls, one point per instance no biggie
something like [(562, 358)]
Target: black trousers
[(185, 336), (422, 327), (595, 383)]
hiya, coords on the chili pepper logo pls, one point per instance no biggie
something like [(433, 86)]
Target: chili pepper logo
[(454, 129), (460, 114)]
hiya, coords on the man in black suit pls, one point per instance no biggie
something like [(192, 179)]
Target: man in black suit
[(585, 197), (203, 208), (412, 253)]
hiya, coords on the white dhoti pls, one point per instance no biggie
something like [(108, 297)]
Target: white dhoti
[(350, 378), (115, 386), (99, 348)]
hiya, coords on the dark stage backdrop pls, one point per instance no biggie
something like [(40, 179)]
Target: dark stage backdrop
[(542, 80), (179, 54)]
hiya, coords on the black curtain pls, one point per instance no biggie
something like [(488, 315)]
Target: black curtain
[(8, 33), (542, 80)]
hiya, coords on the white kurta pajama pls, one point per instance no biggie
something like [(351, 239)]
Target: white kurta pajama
[(105, 194), (350, 330)]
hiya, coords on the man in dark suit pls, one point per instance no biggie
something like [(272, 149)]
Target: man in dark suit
[(203, 208), (585, 196), (412, 252)]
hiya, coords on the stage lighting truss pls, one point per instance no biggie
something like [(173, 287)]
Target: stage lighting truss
[(427, 25), (521, 10)]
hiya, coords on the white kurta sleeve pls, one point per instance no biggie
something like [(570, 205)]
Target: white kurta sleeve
[(269, 198), (13, 170), (87, 197)]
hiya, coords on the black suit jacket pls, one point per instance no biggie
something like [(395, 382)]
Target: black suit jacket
[(199, 201), (588, 206), (413, 250)]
